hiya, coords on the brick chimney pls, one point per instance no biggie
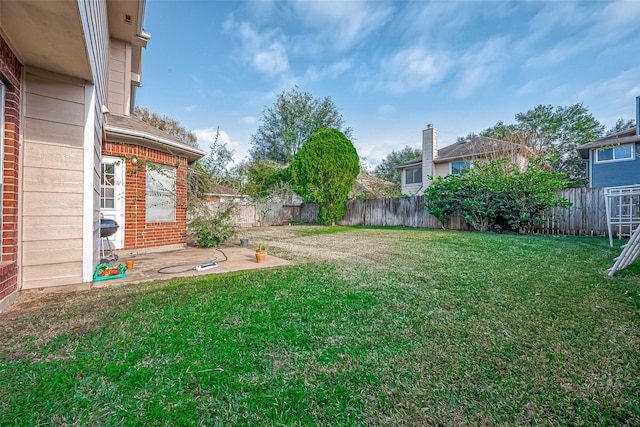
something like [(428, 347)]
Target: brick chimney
[(429, 153)]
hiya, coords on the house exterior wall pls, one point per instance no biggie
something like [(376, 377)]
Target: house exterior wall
[(53, 180), (441, 169), (611, 174), (138, 233), (119, 77), (93, 15), (11, 70), (413, 188)]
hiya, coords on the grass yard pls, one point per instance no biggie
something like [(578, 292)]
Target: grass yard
[(395, 327)]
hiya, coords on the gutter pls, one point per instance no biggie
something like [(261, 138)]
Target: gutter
[(142, 5), (196, 153)]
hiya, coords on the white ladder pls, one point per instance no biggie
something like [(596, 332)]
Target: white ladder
[(630, 252)]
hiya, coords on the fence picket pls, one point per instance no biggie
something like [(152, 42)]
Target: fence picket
[(586, 216)]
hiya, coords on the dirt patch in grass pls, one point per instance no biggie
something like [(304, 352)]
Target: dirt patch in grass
[(298, 243), (37, 317)]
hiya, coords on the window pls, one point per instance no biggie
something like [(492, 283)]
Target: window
[(413, 176), (614, 154), (108, 187), (161, 193), (460, 168)]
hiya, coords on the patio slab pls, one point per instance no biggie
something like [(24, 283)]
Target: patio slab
[(152, 266)]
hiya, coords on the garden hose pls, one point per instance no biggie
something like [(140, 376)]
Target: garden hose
[(200, 267)]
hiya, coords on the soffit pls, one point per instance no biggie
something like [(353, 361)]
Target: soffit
[(46, 35), (125, 21)]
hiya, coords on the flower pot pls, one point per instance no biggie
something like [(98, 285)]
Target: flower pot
[(261, 255), (244, 242)]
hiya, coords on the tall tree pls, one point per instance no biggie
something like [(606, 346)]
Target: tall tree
[(290, 121), (166, 124), (621, 124), (324, 171), (387, 168), (216, 163), (553, 133)]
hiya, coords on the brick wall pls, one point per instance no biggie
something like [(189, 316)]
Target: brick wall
[(11, 71), (138, 233)]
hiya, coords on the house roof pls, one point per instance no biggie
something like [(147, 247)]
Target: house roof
[(472, 148), (372, 185), (626, 136), (128, 128), (478, 147)]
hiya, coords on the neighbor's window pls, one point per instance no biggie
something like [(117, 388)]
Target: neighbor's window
[(413, 176), (161, 193), (460, 168), (613, 154)]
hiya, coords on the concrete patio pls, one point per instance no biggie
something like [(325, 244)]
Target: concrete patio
[(152, 266)]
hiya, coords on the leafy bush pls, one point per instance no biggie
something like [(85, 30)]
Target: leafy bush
[(324, 171), (212, 228), (497, 192)]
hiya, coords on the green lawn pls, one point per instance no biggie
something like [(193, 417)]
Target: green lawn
[(397, 327)]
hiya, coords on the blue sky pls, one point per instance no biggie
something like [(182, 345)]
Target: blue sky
[(392, 67)]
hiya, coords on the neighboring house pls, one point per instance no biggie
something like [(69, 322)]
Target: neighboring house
[(454, 159), (71, 151), (615, 159), (371, 187)]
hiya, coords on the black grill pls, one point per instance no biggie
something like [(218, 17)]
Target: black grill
[(108, 227)]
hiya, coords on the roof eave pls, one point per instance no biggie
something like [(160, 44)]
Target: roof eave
[(191, 153)]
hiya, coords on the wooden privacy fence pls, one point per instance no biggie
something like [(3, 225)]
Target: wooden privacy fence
[(255, 214), (586, 216)]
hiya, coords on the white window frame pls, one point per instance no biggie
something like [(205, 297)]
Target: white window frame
[(160, 197), (459, 161), (413, 174), (632, 149)]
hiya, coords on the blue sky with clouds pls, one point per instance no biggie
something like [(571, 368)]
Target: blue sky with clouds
[(392, 67)]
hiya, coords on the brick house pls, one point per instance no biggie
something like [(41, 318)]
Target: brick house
[(68, 74)]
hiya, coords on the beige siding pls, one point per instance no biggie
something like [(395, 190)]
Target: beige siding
[(52, 132), (54, 227), (441, 169), (53, 274), (117, 77), (52, 181)]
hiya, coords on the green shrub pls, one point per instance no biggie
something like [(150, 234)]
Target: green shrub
[(323, 171), (213, 228), (497, 192)]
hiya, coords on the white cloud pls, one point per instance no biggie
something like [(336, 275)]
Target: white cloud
[(624, 84), (264, 51), (249, 120), (333, 70), (189, 108), (207, 136), (412, 69), (338, 25), (481, 64)]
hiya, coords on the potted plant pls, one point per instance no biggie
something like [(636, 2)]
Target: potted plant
[(261, 252)]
